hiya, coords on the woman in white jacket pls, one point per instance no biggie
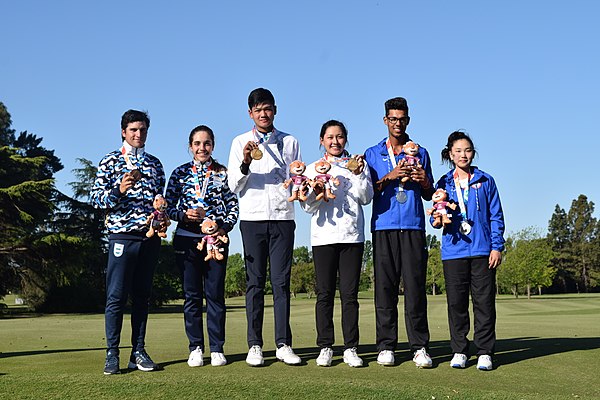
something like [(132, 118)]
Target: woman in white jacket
[(337, 239)]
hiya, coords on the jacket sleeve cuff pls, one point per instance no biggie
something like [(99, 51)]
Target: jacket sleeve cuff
[(245, 168)]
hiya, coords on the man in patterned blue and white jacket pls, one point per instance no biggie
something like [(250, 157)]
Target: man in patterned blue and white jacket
[(126, 183)]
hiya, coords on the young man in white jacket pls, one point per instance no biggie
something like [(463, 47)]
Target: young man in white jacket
[(258, 166)]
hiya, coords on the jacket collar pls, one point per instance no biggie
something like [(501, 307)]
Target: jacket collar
[(383, 148)]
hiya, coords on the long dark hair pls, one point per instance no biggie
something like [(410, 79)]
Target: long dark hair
[(203, 128)]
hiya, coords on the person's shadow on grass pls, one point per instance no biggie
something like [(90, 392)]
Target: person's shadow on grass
[(514, 350)]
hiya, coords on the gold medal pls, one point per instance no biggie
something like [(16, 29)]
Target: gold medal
[(256, 154), (352, 164)]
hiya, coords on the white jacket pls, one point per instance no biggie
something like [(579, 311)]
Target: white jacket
[(340, 220), (261, 193)]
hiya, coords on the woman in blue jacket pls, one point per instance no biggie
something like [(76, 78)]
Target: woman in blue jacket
[(197, 190), (472, 248)]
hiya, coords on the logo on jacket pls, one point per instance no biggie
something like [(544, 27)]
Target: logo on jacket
[(476, 185), (118, 249)]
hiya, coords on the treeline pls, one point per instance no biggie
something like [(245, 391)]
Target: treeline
[(53, 247)]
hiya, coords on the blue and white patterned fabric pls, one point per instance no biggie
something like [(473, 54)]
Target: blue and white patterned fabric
[(220, 203), (128, 212)]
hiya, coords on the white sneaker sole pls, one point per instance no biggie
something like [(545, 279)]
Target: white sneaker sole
[(136, 366), (353, 365), (386, 364), (322, 364), (289, 363), (195, 364), (255, 364), (423, 365)]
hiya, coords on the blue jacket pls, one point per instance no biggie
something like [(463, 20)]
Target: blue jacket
[(127, 213), (484, 213), (388, 213), (221, 204)]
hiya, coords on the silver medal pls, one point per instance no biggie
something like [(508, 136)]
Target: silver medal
[(401, 196), (465, 228)]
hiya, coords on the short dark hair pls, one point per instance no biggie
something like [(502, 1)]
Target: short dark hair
[(331, 123), (454, 136), (397, 103), (134, 116), (260, 96)]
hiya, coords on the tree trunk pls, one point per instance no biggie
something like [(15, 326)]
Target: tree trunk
[(540, 290), (528, 291), (433, 289), (515, 291)]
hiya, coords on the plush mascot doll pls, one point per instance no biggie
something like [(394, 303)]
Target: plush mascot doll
[(158, 220), (209, 227), (298, 180), (322, 184), (411, 150), (439, 211)]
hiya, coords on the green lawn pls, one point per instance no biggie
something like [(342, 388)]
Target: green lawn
[(548, 348)]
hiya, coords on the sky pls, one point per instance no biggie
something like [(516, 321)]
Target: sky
[(521, 77)]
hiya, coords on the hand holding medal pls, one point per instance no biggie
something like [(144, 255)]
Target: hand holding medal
[(129, 179), (356, 164)]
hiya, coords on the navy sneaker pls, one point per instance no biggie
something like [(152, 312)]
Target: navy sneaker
[(111, 366), (142, 361)]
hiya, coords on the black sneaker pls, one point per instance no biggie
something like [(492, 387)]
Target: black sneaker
[(142, 361), (111, 366)]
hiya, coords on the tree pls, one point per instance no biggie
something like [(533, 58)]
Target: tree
[(575, 238), (366, 272), (435, 270), (27, 192), (302, 278), (235, 278), (527, 263)]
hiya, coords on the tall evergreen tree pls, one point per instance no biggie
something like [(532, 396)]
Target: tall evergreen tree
[(574, 236), (26, 205)]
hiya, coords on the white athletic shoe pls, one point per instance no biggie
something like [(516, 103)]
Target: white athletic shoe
[(217, 359), (324, 359), (459, 360), (287, 355), (484, 363), (422, 359), (195, 359), (351, 358), (386, 357), (255, 356)]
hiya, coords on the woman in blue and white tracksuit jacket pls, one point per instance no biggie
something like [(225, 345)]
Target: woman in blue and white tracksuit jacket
[(472, 248), (337, 239), (196, 190)]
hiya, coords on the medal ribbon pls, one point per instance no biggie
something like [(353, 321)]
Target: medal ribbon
[(127, 159), (201, 192), (341, 161), (260, 138), (394, 163), (459, 194)]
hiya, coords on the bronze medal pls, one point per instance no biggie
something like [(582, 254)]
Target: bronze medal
[(136, 174), (256, 154)]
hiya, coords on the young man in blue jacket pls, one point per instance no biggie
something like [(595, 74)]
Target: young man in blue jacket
[(398, 229), (126, 183)]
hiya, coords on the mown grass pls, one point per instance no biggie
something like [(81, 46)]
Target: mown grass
[(548, 348)]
